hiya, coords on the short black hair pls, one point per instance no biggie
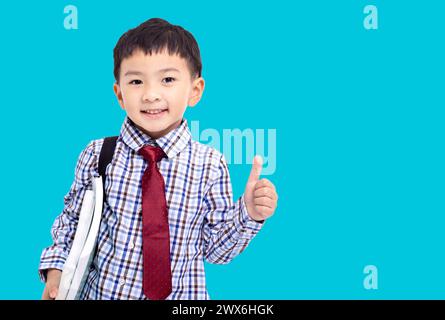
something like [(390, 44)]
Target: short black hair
[(156, 35)]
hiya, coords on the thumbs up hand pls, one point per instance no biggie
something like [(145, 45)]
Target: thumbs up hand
[(260, 196)]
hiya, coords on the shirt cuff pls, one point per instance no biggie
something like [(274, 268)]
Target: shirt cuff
[(246, 227), (43, 270), (50, 261)]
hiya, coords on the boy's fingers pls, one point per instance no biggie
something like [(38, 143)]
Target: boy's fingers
[(53, 293), (264, 183), (265, 202), (266, 192), (257, 166)]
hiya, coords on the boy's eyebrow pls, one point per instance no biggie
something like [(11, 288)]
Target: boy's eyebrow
[(168, 69), (139, 73)]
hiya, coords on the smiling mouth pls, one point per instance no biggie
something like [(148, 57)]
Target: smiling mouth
[(154, 114), (153, 111)]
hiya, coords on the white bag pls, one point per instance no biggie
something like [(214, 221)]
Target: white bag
[(75, 270)]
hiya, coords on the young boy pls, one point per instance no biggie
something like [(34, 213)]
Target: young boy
[(168, 202)]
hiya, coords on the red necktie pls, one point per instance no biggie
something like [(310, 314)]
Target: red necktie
[(157, 279)]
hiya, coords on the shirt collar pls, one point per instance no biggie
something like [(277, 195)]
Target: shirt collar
[(172, 143)]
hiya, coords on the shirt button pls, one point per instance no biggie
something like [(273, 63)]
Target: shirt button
[(131, 245), (121, 282)]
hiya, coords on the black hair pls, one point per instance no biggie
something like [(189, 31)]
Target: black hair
[(156, 35)]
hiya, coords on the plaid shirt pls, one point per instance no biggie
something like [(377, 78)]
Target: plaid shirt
[(204, 222)]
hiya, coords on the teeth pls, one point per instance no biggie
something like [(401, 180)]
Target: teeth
[(154, 111)]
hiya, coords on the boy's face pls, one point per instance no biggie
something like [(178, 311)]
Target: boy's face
[(155, 90)]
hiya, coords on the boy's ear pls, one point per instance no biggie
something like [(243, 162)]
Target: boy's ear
[(118, 93), (197, 91)]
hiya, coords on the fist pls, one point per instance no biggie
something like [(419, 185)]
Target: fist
[(52, 284), (260, 196)]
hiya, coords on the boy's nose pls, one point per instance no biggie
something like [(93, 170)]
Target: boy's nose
[(151, 95)]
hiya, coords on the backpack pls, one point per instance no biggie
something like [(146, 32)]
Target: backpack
[(106, 154)]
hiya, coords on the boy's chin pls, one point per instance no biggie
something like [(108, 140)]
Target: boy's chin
[(156, 130)]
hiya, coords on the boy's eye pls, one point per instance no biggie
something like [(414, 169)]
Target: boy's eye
[(169, 79), (133, 82)]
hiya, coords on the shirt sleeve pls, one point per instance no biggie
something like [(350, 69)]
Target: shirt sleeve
[(64, 226), (228, 228)]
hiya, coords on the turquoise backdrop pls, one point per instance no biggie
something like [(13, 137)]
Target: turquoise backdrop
[(359, 117)]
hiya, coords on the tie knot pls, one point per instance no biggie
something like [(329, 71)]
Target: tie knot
[(152, 154)]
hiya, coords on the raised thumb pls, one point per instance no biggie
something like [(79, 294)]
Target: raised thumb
[(257, 166)]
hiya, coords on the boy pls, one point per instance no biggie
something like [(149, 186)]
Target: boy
[(168, 202)]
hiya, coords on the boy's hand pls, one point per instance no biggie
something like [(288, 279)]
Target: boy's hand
[(260, 196), (52, 284)]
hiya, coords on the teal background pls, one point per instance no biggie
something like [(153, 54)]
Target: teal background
[(360, 127)]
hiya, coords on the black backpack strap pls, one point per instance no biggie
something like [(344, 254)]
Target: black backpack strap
[(106, 154), (105, 157)]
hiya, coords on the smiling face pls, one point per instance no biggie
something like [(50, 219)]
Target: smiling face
[(155, 91)]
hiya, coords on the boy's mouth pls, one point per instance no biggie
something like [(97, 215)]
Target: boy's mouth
[(154, 113)]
